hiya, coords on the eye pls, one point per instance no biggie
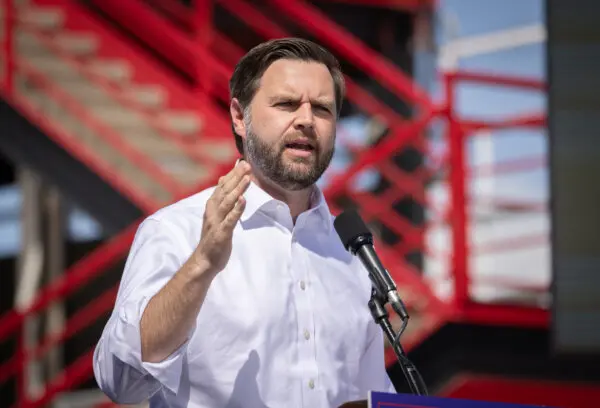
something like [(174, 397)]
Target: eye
[(285, 104), (322, 108)]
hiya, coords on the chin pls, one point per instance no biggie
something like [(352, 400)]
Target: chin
[(300, 161)]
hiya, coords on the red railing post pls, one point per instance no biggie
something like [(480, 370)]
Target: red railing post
[(203, 33), (460, 252), (9, 22), (21, 359)]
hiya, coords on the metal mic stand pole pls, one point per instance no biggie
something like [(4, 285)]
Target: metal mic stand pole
[(381, 317)]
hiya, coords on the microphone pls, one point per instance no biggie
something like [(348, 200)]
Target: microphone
[(358, 240)]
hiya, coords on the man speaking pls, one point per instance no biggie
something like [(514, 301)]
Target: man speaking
[(242, 295)]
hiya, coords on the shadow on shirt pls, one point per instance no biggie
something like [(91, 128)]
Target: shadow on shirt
[(245, 387)]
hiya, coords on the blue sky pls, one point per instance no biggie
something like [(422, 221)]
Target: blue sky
[(482, 16)]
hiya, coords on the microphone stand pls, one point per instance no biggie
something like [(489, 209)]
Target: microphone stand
[(380, 315)]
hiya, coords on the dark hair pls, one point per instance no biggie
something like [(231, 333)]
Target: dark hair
[(249, 70)]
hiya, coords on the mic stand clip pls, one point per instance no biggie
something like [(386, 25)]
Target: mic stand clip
[(380, 316)]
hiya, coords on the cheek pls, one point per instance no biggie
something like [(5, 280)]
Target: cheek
[(326, 133), (270, 127)]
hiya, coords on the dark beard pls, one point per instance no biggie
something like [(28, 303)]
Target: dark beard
[(269, 161)]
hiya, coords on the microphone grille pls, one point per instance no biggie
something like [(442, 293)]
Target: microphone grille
[(350, 225)]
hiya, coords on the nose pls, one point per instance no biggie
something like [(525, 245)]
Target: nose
[(304, 117)]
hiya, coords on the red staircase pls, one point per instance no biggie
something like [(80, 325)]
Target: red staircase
[(134, 117)]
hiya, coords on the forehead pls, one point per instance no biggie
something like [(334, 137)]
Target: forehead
[(298, 77)]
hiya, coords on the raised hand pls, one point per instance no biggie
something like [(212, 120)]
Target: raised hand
[(223, 210)]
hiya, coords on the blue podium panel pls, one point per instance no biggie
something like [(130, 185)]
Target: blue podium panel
[(386, 400)]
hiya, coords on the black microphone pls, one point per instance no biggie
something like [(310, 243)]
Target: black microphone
[(358, 240)]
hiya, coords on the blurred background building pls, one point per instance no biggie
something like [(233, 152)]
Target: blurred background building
[(466, 141)]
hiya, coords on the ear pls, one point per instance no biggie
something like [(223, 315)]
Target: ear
[(237, 117)]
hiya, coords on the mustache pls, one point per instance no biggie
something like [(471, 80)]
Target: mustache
[(293, 137)]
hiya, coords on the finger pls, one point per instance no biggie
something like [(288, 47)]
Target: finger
[(215, 197), (234, 215), (236, 175), (228, 203), (219, 192)]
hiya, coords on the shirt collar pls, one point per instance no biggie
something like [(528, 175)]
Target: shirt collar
[(319, 204), (257, 199)]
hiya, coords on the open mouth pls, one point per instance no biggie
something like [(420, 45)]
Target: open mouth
[(300, 146)]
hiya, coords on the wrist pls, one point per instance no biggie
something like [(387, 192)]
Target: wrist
[(200, 269)]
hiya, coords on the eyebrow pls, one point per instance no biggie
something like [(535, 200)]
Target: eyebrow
[(290, 97)]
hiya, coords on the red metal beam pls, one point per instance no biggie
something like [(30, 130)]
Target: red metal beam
[(536, 120), (9, 23), (203, 38), (114, 140), (173, 44), (175, 11), (85, 269), (407, 5), (403, 135), (459, 217), (269, 29), (348, 46), (113, 46), (187, 147), (497, 79), (79, 321), (74, 278), (87, 156), (75, 374)]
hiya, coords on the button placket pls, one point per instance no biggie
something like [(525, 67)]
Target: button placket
[(306, 346)]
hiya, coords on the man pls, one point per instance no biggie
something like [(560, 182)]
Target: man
[(242, 295)]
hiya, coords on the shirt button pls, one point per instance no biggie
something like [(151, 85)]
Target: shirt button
[(311, 384), (302, 285), (306, 334)]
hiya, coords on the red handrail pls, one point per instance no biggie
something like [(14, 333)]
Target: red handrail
[(497, 79), (188, 147), (61, 136), (203, 34), (114, 46), (100, 166), (179, 49), (110, 136), (354, 50), (270, 29), (459, 130), (80, 320), (460, 238), (9, 21), (74, 278)]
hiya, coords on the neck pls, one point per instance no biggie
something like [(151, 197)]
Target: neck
[(297, 201)]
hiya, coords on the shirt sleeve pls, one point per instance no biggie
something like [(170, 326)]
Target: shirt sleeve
[(156, 255), (374, 375)]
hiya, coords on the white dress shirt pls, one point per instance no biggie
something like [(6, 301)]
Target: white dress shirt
[(285, 324)]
